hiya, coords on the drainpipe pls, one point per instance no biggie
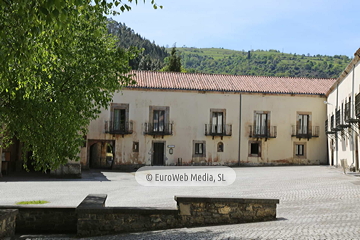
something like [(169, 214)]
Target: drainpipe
[(336, 133), (352, 112), (240, 100)]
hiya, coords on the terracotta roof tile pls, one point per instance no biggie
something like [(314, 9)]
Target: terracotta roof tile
[(231, 83)]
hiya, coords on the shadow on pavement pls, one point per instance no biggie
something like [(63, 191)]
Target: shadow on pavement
[(86, 175)]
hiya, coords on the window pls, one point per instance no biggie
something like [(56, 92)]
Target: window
[(199, 148), (220, 147), (261, 123), (159, 117), (135, 146), (158, 120), (119, 122), (303, 124), (217, 122), (300, 150), (254, 149)]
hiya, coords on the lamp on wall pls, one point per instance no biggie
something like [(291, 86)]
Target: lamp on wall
[(325, 102)]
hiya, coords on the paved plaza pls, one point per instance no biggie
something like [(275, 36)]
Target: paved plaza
[(316, 202)]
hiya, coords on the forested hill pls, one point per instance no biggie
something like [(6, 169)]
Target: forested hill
[(261, 63), (152, 58), (223, 61)]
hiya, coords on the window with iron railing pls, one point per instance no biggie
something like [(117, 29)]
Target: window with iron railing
[(332, 122), (119, 119), (347, 113), (261, 127), (357, 105), (338, 117), (159, 123)]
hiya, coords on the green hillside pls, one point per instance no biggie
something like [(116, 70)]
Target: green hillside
[(261, 63), (151, 58)]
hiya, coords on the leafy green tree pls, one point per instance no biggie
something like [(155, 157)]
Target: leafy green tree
[(58, 68), (173, 62)]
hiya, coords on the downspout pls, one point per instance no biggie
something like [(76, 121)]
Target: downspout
[(352, 112), (336, 133), (240, 100)]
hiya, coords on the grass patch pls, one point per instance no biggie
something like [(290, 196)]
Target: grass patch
[(32, 202)]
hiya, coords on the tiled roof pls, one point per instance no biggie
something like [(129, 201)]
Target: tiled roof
[(230, 83)]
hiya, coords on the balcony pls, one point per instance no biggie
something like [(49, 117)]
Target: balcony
[(338, 126), (121, 128), (218, 130), (357, 105), (159, 129), (348, 116), (327, 131), (299, 131), (263, 132)]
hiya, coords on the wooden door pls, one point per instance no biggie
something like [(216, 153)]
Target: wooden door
[(158, 154)]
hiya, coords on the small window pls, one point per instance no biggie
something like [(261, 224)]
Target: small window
[(135, 146), (300, 150), (254, 149), (220, 147), (199, 148)]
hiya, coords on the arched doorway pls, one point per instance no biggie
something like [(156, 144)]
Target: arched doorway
[(101, 154)]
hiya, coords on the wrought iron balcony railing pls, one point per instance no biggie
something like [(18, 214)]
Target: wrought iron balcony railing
[(161, 128), (305, 132), (118, 127), (218, 130), (263, 132)]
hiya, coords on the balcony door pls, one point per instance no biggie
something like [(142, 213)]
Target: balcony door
[(217, 122), (303, 127), (261, 121), (119, 120), (159, 121)]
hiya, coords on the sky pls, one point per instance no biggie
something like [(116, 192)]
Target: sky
[(326, 27)]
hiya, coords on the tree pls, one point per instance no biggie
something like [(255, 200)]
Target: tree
[(173, 62), (58, 68)]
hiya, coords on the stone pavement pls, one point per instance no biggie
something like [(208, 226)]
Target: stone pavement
[(316, 202)]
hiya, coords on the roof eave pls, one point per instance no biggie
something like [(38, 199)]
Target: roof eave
[(347, 70)]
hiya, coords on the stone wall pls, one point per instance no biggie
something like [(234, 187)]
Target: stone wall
[(7, 222), (92, 217), (110, 220), (38, 220), (96, 219), (200, 211)]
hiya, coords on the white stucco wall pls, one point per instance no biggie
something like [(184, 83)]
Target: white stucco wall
[(345, 144), (283, 114), (190, 111)]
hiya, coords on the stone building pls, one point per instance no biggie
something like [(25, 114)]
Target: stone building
[(343, 113), (203, 119)]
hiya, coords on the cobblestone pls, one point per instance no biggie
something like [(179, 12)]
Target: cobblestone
[(316, 202)]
